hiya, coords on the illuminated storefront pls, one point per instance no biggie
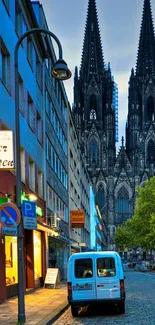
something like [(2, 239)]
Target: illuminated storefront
[(37, 240), (11, 260)]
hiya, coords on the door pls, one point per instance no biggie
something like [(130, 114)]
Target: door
[(107, 278), (83, 281)]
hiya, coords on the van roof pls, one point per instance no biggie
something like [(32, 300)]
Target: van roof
[(105, 253)]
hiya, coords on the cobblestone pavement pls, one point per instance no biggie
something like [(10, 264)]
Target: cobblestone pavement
[(140, 305)]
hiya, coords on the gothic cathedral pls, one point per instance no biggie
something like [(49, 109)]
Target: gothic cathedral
[(115, 177)]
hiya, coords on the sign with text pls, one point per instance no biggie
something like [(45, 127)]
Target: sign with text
[(29, 214), (6, 150), (52, 276), (77, 218)]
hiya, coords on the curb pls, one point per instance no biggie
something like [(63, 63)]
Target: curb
[(57, 313)]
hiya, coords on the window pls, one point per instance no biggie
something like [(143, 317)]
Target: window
[(83, 268), (151, 152), (122, 206), (93, 152), (21, 95), (39, 128), (31, 174), (150, 109), (18, 20), (106, 267), (37, 254), (7, 4), (22, 157), (30, 112), (40, 183), (30, 51), (6, 77), (100, 197), (38, 72)]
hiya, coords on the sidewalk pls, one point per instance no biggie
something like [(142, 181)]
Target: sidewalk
[(41, 307)]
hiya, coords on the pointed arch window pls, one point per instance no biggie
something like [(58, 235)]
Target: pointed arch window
[(122, 206), (93, 107), (93, 152), (100, 198), (150, 109), (151, 152), (92, 114)]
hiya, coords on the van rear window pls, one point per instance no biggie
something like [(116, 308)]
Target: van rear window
[(83, 268), (106, 267)]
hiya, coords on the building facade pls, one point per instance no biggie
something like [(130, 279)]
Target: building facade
[(43, 109), (79, 185), (115, 177)]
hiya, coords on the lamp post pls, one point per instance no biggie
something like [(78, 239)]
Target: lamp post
[(61, 72)]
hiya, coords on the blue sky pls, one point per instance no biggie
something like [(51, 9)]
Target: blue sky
[(119, 21)]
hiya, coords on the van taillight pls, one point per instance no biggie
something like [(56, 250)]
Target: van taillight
[(122, 288), (69, 287)]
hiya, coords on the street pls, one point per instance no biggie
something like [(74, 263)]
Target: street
[(140, 302)]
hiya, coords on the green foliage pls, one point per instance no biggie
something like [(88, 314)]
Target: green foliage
[(140, 230)]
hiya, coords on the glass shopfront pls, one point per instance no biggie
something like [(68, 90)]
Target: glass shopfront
[(37, 255), (11, 260)]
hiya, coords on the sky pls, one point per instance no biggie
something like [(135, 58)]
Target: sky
[(119, 22)]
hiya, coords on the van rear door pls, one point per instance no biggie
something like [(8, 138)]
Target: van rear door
[(107, 277), (83, 283)]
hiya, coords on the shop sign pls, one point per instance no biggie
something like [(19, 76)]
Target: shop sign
[(29, 215), (6, 150), (52, 276), (77, 218)]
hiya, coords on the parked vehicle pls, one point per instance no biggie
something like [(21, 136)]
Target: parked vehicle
[(95, 278)]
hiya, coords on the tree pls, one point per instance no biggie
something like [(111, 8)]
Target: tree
[(140, 230)]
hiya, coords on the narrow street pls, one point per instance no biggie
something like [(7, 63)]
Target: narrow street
[(140, 302)]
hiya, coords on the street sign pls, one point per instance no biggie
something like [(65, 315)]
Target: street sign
[(9, 231), (29, 215), (9, 215)]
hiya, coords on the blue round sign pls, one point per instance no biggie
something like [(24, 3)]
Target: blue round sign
[(9, 215)]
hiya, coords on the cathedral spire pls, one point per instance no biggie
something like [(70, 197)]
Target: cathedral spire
[(146, 51), (92, 56)]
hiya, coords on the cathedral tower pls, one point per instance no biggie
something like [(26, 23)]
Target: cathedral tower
[(94, 112)]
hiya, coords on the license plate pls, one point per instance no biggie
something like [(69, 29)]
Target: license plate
[(86, 286)]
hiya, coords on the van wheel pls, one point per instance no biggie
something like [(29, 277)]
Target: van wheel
[(74, 311), (121, 307)]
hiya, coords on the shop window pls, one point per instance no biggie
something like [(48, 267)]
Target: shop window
[(11, 260), (37, 255)]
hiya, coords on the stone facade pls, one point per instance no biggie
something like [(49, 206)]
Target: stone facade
[(115, 177)]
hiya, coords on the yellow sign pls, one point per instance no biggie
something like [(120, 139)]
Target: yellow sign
[(77, 218)]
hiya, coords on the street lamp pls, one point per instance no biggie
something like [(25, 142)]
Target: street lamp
[(61, 72)]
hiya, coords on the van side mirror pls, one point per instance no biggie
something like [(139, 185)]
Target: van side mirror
[(124, 277)]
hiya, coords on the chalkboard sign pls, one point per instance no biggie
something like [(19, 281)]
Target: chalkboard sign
[(52, 276)]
